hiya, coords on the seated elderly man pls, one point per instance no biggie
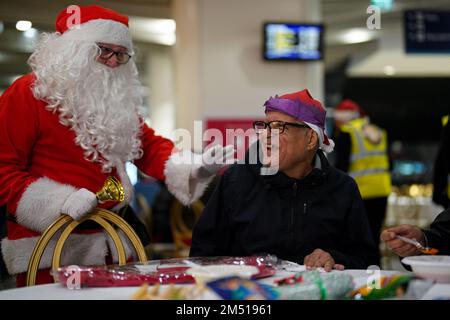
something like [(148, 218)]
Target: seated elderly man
[(308, 212)]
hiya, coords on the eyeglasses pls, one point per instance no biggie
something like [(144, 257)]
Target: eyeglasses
[(107, 53), (276, 125)]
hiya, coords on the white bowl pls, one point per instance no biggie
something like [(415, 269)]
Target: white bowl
[(435, 268), (211, 272)]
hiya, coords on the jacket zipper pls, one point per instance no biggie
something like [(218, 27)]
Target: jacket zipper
[(294, 187)]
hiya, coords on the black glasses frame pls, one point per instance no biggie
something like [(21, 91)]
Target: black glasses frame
[(107, 53), (279, 124)]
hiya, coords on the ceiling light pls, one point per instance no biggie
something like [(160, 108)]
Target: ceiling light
[(31, 33), (385, 5), (23, 25), (356, 36), (161, 26), (160, 31), (389, 70), (3, 57)]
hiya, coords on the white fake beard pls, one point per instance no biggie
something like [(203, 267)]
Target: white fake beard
[(102, 105)]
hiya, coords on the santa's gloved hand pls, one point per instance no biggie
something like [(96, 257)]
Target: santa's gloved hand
[(79, 203), (214, 159)]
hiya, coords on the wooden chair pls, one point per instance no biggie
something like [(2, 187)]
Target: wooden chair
[(104, 218), (181, 231), (145, 215)]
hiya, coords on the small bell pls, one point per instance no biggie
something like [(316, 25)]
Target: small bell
[(112, 190)]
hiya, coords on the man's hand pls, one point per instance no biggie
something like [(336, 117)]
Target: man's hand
[(400, 247), (79, 204), (214, 159), (321, 259)]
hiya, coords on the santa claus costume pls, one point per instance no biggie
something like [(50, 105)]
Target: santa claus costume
[(66, 127)]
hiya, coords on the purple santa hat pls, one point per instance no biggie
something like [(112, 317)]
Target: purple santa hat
[(303, 107)]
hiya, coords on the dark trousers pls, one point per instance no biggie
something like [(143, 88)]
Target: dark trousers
[(376, 212), (128, 214)]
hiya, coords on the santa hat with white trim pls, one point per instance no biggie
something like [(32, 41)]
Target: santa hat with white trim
[(94, 23), (303, 107), (348, 110)]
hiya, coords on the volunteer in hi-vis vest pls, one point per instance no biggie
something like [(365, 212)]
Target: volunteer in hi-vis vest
[(362, 152), (441, 172)]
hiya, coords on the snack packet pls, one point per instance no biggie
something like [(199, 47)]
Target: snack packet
[(389, 287), (236, 288)]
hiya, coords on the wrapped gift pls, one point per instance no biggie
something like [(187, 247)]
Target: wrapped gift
[(314, 285)]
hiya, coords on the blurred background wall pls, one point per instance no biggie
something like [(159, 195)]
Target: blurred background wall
[(227, 76)]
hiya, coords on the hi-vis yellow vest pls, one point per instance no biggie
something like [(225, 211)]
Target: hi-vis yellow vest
[(369, 163), (444, 123)]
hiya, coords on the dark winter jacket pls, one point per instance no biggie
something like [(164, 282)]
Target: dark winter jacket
[(249, 214), (441, 170), (438, 235)]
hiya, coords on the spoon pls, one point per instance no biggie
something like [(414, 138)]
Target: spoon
[(414, 242)]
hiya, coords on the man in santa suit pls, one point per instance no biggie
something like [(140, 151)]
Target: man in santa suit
[(71, 123)]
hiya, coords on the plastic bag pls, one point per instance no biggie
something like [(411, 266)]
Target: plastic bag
[(156, 271), (313, 285)]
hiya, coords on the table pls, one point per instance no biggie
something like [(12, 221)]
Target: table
[(56, 291)]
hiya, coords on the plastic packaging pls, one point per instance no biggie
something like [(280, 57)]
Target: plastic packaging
[(156, 271), (388, 288), (236, 288), (313, 285)]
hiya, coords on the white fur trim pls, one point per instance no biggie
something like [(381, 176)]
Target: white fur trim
[(101, 30), (129, 249), (80, 249), (327, 148), (41, 203), (179, 171), (345, 115), (126, 184)]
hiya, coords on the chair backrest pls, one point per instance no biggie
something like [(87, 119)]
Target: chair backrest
[(145, 213), (104, 218), (181, 229)]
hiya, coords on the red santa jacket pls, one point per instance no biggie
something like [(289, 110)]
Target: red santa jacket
[(40, 166)]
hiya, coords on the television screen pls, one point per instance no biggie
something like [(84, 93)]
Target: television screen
[(293, 41), (427, 31)]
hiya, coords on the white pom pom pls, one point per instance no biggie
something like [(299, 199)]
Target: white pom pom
[(328, 148)]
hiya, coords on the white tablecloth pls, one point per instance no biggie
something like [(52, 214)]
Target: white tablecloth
[(57, 291)]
